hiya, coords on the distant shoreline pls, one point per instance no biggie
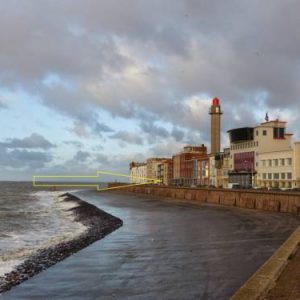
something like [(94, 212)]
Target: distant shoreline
[(98, 223)]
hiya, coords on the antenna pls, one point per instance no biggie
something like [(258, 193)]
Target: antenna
[(267, 117)]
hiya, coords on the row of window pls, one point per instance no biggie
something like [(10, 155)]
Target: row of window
[(244, 145), (276, 162), (264, 132), (277, 176)]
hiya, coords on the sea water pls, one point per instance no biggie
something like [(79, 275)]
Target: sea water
[(31, 220)]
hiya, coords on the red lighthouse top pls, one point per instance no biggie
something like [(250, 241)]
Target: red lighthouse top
[(216, 102)]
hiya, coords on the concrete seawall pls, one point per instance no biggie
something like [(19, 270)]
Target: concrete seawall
[(262, 200)]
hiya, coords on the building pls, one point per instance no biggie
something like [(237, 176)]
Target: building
[(185, 165), (165, 172), (201, 170), (219, 169), (263, 156), (138, 172), (152, 167), (279, 169)]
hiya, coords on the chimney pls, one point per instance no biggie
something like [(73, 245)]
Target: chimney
[(215, 133)]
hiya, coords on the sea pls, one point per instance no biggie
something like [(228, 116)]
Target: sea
[(32, 219)]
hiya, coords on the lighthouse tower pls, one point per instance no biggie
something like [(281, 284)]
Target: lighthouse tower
[(215, 133)]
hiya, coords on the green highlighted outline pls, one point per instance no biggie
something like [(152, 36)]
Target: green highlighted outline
[(36, 177)]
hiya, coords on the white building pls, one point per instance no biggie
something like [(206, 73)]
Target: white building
[(264, 156), (138, 172)]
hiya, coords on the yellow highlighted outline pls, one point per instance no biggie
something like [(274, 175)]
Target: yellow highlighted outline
[(147, 180)]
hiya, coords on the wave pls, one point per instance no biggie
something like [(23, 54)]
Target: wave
[(50, 222)]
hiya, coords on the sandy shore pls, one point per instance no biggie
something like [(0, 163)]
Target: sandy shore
[(98, 223)]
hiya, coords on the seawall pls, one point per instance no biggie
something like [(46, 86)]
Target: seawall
[(263, 200)]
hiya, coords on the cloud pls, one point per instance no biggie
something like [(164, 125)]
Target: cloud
[(100, 127), (153, 129), (2, 105), (34, 141), (80, 129), (81, 156), (158, 70), (23, 159), (74, 143), (128, 137), (166, 149), (177, 134)]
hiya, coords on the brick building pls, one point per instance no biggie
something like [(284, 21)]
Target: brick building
[(185, 165)]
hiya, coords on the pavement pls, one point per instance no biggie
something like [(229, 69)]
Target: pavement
[(165, 250), (288, 285)]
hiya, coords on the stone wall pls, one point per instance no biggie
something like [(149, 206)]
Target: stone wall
[(262, 200)]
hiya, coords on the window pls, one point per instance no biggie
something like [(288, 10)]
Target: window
[(289, 175), (269, 175), (276, 175), (282, 175), (270, 162), (264, 176), (256, 132), (264, 132), (282, 161), (276, 162), (289, 161), (278, 133)]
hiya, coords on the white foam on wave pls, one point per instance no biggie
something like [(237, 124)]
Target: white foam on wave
[(65, 229)]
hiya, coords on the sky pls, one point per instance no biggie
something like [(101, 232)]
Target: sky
[(91, 85)]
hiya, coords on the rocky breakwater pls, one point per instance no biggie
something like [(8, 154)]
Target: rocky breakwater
[(98, 224)]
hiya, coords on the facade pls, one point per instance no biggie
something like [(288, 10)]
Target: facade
[(280, 169), (201, 170), (185, 165), (296, 165), (260, 155), (154, 170), (275, 169), (138, 172), (165, 172), (152, 166), (219, 169)]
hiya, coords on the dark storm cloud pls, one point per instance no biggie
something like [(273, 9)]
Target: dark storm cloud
[(34, 141), (153, 129), (146, 59), (22, 159)]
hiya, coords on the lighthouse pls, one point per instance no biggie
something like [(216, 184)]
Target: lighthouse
[(215, 129)]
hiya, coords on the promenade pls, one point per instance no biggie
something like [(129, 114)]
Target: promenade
[(288, 285), (165, 250)]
